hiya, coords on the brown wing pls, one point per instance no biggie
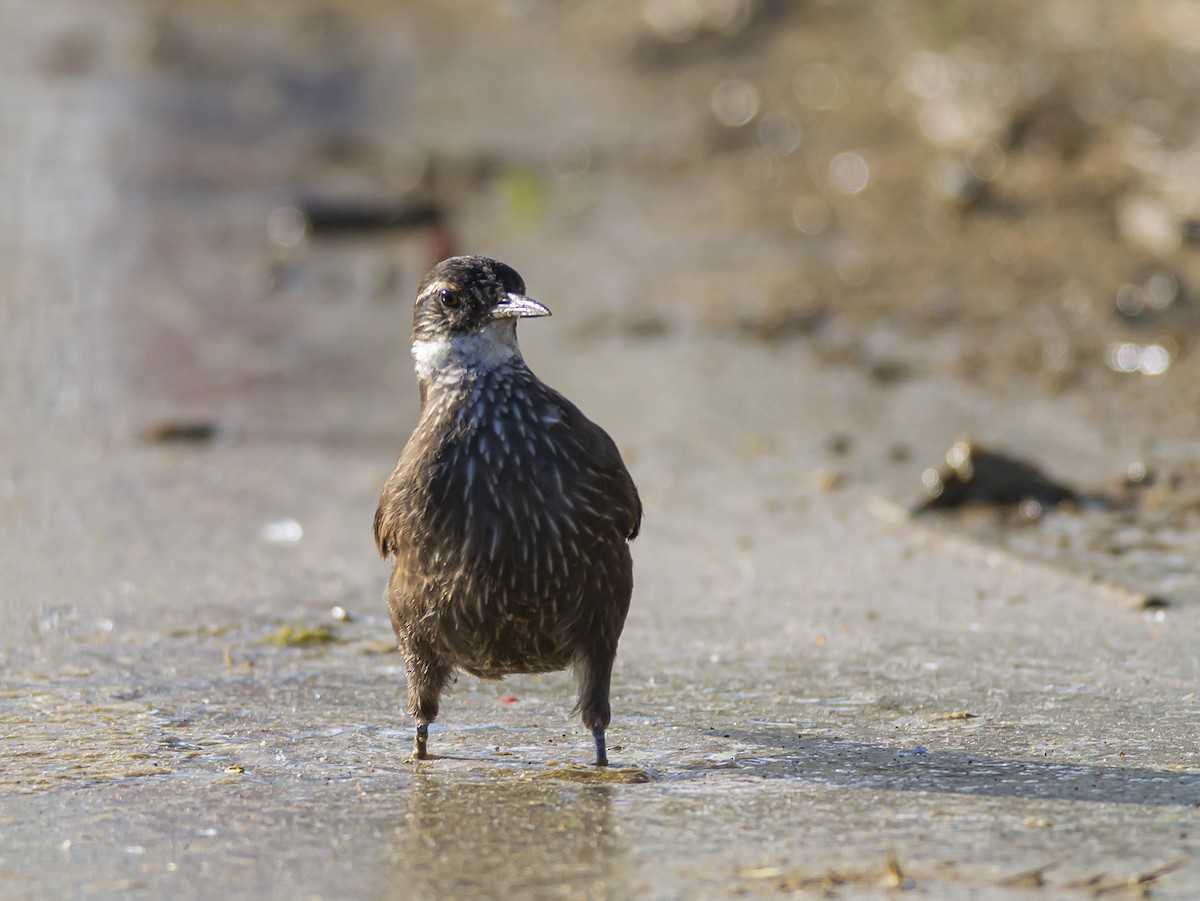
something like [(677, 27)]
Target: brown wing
[(572, 454), (620, 496), (387, 521), (397, 497)]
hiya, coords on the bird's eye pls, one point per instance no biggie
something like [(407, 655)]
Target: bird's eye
[(449, 298)]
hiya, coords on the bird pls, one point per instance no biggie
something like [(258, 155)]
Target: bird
[(509, 513)]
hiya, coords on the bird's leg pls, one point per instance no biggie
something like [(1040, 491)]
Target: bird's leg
[(593, 670), (601, 751), (427, 676)]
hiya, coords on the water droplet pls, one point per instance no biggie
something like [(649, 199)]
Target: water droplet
[(849, 173), (779, 133), (1151, 224), (818, 86), (287, 226), (1130, 301), (810, 215), (1162, 289), (1123, 357), (734, 102), (1155, 360), (929, 75)]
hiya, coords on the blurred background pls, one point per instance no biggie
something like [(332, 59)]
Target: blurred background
[(206, 201)]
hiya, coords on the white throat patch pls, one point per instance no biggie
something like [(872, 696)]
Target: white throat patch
[(493, 345)]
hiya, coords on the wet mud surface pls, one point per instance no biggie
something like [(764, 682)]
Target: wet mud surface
[(794, 253)]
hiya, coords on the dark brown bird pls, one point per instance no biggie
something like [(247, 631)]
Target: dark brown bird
[(509, 512)]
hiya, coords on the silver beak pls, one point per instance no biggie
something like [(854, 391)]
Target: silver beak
[(518, 305)]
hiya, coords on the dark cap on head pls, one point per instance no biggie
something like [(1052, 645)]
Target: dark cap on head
[(462, 294)]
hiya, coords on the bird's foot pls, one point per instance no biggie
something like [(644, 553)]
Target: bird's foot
[(601, 752), (419, 746)]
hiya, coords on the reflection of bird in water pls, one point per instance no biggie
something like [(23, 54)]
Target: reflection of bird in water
[(517, 838), (509, 512)]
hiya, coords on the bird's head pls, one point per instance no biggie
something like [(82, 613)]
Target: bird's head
[(466, 314), (463, 295)]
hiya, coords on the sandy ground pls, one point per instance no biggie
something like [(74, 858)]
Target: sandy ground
[(815, 694)]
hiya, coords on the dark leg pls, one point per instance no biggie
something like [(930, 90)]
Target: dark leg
[(601, 751), (427, 676), (594, 672)]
